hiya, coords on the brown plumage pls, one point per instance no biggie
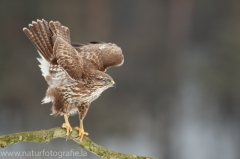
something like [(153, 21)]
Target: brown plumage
[(75, 72)]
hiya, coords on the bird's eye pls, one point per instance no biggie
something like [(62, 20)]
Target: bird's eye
[(105, 80)]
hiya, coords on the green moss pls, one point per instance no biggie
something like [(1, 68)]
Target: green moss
[(44, 136)]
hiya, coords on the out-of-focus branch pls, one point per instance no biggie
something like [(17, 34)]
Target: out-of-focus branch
[(44, 136)]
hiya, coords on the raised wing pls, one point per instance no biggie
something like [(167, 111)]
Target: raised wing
[(40, 35), (103, 55), (60, 31), (68, 58), (53, 42)]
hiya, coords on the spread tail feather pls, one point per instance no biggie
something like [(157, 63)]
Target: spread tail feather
[(60, 31), (40, 35), (43, 36)]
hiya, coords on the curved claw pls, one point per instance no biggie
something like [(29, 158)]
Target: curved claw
[(81, 133), (68, 127)]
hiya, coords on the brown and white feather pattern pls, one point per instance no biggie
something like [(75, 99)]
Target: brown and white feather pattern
[(68, 58), (75, 74), (103, 55), (60, 31)]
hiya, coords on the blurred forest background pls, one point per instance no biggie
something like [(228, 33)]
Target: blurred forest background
[(178, 92)]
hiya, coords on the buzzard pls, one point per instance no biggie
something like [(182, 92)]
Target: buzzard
[(75, 73)]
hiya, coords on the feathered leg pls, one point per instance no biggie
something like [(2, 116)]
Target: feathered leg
[(82, 110), (67, 125)]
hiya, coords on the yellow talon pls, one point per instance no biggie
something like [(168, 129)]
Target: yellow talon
[(67, 125), (81, 131)]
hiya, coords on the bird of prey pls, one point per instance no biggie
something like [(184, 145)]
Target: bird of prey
[(76, 73)]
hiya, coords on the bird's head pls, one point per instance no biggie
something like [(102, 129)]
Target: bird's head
[(103, 80)]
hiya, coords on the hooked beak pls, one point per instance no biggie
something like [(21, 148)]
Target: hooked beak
[(113, 84)]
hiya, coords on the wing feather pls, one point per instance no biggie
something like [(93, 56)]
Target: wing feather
[(40, 35), (60, 31), (103, 55), (68, 58)]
